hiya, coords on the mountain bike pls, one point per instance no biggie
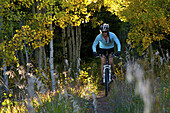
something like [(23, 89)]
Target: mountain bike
[(106, 74)]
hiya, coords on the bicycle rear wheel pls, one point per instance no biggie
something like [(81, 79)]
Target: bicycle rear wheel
[(106, 81)]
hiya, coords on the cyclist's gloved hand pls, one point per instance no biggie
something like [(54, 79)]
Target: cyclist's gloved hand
[(94, 53), (117, 54)]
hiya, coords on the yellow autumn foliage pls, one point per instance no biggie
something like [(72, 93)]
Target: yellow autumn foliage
[(148, 19)]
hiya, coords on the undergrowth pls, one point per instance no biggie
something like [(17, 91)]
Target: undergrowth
[(71, 95), (144, 87), (141, 86)]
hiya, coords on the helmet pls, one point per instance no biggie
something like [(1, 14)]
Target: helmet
[(104, 27)]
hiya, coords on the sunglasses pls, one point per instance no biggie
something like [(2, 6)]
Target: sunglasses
[(104, 31)]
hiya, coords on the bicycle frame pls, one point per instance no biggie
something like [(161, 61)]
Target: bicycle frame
[(107, 66), (106, 74)]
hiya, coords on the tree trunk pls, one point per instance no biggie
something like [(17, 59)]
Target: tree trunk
[(65, 55), (40, 48), (77, 47), (74, 48), (51, 60), (33, 8), (45, 61), (69, 44), (1, 18), (150, 49), (29, 75), (1, 91), (12, 32), (40, 59), (30, 88), (78, 43), (37, 49), (5, 78), (21, 56), (152, 59)]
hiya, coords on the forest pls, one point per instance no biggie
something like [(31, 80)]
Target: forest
[(47, 63)]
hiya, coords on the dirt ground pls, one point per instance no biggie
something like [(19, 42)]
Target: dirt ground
[(104, 104)]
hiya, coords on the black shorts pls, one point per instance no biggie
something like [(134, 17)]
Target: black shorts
[(108, 51)]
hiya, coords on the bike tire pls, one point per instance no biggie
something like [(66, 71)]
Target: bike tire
[(106, 81)]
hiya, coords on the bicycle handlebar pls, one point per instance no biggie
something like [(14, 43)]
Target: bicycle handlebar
[(99, 55)]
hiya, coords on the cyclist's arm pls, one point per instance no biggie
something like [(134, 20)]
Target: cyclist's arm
[(117, 42), (96, 41)]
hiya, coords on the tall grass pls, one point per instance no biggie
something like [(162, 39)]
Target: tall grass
[(71, 96), (144, 89), (141, 87)]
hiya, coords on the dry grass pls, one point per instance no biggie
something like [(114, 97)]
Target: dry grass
[(139, 88)]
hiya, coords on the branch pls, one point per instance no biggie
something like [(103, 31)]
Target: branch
[(167, 40)]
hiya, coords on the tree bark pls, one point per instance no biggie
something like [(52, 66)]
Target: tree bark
[(78, 43), (77, 46), (69, 44), (5, 78), (40, 59), (74, 48), (30, 79), (1, 18), (40, 48), (21, 56), (1, 26), (65, 55), (45, 61), (30, 87), (37, 49), (51, 60)]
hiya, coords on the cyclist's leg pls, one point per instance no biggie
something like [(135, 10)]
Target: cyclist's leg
[(111, 59), (111, 62), (111, 51), (102, 64), (103, 53), (112, 67)]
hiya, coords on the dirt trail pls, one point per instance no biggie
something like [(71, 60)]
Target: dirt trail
[(104, 104)]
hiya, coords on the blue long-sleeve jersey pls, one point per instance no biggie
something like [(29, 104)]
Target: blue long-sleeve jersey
[(106, 44)]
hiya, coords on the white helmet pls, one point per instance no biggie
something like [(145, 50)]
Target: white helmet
[(104, 27)]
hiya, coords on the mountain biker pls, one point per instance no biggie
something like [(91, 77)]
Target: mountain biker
[(106, 41)]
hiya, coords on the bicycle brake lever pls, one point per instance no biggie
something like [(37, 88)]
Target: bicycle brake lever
[(98, 55), (113, 55)]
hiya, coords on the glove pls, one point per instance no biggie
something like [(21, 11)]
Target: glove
[(117, 54), (94, 53)]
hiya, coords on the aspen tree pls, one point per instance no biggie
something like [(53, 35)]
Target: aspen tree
[(40, 49), (31, 35), (148, 19), (69, 43), (65, 54), (1, 23), (74, 47), (51, 53), (78, 43), (36, 29), (73, 13), (34, 12)]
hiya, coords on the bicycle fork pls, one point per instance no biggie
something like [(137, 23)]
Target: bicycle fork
[(109, 68)]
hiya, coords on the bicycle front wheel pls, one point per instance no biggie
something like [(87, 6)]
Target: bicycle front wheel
[(106, 81)]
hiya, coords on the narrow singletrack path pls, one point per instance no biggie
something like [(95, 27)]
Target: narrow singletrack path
[(104, 104)]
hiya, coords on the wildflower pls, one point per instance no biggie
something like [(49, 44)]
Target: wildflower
[(10, 95)]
